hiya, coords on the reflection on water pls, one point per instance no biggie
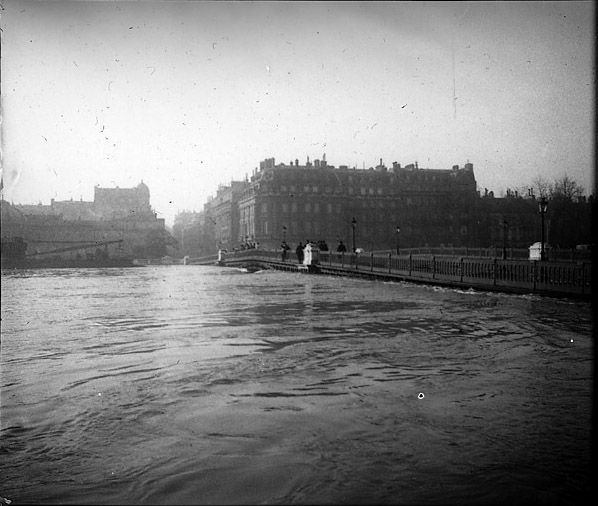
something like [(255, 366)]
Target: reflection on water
[(189, 384)]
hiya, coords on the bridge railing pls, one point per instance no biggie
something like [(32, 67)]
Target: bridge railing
[(562, 277), (567, 277)]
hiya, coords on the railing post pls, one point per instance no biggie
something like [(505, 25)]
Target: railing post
[(433, 267), (535, 274), (583, 277), (342, 259), (410, 264), (389, 262), (372, 261), (494, 273), (461, 270)]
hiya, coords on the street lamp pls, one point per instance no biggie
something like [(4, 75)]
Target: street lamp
[(398, 230), (542, 206), (353, 223), (284, 233), (504, 239)]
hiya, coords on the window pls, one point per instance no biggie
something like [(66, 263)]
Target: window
[(264, 207), (306, 189), (314, 189), (316, 207)]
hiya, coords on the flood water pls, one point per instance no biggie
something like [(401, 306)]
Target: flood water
[(208, 385)]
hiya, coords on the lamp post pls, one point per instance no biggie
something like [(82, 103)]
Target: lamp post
[(284, 233), (398, 231), (542, 206), (505, 224), (353, 223)]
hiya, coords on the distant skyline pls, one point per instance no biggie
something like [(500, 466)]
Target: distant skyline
[(190, 95)]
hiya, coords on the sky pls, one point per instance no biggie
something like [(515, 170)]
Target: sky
[(187, 96)]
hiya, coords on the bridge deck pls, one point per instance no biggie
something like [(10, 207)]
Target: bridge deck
[(569, 279)]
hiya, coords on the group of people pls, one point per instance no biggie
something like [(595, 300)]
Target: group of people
[(300, 249), (247, 245)]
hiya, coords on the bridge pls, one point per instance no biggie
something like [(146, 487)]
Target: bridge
[(561, 279), (76, 245)]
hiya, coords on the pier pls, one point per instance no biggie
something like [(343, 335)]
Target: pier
[(560, 279)]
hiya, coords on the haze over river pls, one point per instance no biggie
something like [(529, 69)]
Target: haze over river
[(201, 384)]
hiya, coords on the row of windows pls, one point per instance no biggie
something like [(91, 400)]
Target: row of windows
[(314, 227), (316, 207), (420, 176), (328, 189)]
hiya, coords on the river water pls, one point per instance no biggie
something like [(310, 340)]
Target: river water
[(200, 384)]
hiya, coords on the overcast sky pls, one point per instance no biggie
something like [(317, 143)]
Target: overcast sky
[(189, 95)]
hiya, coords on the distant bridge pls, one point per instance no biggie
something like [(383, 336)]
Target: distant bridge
[(79, 246)]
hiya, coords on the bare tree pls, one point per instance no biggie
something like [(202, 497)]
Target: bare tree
[(542, 186), (566, 188)]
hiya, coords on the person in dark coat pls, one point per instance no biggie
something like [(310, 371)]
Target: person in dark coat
[(285, 247), (322, 246), (341, 248), (299, 251)]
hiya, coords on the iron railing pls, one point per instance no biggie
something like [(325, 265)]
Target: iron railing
[(522, 275)]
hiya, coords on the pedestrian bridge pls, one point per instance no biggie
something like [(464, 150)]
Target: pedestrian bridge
[(563, 279)]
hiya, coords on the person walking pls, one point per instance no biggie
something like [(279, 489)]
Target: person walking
[(285, 247), (341, 248), (299, 252)]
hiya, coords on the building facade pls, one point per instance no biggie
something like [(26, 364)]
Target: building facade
[(222, 216), (380, 208), (115, 213), (317, 201)]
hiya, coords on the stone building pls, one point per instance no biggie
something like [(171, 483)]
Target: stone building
[(317, 201), (115, 213), (430, 208), (122, 203), (222, 216)]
